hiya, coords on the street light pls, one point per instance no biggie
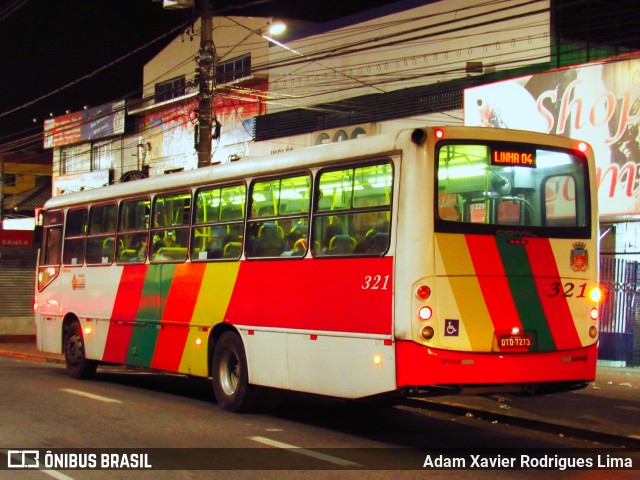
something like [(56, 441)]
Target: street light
[(276, 28)]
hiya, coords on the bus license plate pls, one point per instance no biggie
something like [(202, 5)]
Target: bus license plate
[(515, 343)]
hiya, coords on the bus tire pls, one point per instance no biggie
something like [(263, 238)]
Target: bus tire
[(78, 366), (230, 375)]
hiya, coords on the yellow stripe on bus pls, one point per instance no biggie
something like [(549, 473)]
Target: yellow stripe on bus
[(213, 300), (474, 319)]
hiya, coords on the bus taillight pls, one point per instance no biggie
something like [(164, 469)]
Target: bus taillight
[(594, 314), (427, 333), (425, 313), (423, 292)]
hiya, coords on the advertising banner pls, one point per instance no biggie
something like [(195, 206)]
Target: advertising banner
[(598, 103), (91, 124)]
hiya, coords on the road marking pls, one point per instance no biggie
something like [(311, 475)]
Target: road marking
[(57, 475), (304, 451), (52, 473), (80, 393)]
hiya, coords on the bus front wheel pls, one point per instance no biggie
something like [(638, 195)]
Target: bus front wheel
[(78, 366), (231, 376)]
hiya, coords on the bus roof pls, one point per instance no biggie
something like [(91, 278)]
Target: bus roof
[(293, 160)]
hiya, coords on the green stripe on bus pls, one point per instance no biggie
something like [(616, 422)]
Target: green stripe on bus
[(152, 302), (525, 292)]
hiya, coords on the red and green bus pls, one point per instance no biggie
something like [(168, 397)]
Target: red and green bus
[(433, 258)]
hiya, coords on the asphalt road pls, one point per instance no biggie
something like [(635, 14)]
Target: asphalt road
[(175, 422)]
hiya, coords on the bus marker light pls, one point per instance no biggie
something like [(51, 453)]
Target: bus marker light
[(423, 292), (515, 331), (582, 146), (594, 313), (198, 341), (593, 332), (425, 313), (377, 360), (517, 241), (427, 333), (439, 133), (88, 330), (595, 294)]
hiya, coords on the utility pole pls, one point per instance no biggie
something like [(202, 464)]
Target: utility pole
[(205, 60)]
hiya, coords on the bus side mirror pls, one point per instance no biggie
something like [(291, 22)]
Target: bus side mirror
[(37, 236)]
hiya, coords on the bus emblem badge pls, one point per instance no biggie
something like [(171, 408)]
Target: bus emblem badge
[(579, 257)]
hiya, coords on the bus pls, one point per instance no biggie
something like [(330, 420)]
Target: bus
[(432, 259)]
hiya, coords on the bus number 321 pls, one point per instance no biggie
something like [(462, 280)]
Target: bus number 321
[(375, 282)]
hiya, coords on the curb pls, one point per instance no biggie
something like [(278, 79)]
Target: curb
[(31, 356), (523, 421)]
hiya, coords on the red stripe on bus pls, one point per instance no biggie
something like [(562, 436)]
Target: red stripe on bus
[(340, 295), (556, 307), (177, 314), (493, 282), (125, 310)]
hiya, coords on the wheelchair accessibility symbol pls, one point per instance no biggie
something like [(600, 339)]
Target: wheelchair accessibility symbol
[(451, 328)]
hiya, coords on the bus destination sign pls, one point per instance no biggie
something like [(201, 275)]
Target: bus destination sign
[(513, 156)]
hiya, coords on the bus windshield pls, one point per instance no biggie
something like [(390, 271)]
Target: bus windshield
[(482, 187)]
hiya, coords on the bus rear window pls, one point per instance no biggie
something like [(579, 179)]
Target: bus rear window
[(510, 185)]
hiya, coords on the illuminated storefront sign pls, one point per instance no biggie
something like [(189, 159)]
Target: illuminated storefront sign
[(597, 103)]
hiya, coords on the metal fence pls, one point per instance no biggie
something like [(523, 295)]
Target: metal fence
[(620, 315)]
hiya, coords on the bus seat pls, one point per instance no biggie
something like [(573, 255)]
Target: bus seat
[(342, 244), (232, 250), (272, 230), (172, 253), (270, 241), (299, 247), (378, 242), (451, 214), (128, 255)]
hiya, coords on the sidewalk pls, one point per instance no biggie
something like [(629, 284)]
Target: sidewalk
[(605, 411), (608, 407)]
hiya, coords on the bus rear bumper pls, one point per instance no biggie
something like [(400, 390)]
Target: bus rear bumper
[(419, 366)]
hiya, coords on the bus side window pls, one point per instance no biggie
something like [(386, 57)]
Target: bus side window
[(75, 237), (170, 230), (101, 235), (52, 238), (353, 211), (133, 231), (50, 255), (218, 224), (279, 221)]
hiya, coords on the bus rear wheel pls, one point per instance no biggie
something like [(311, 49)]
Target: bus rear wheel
[(231, 376), (78, 366)]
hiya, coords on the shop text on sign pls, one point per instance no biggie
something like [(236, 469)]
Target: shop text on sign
[(515, 157)]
